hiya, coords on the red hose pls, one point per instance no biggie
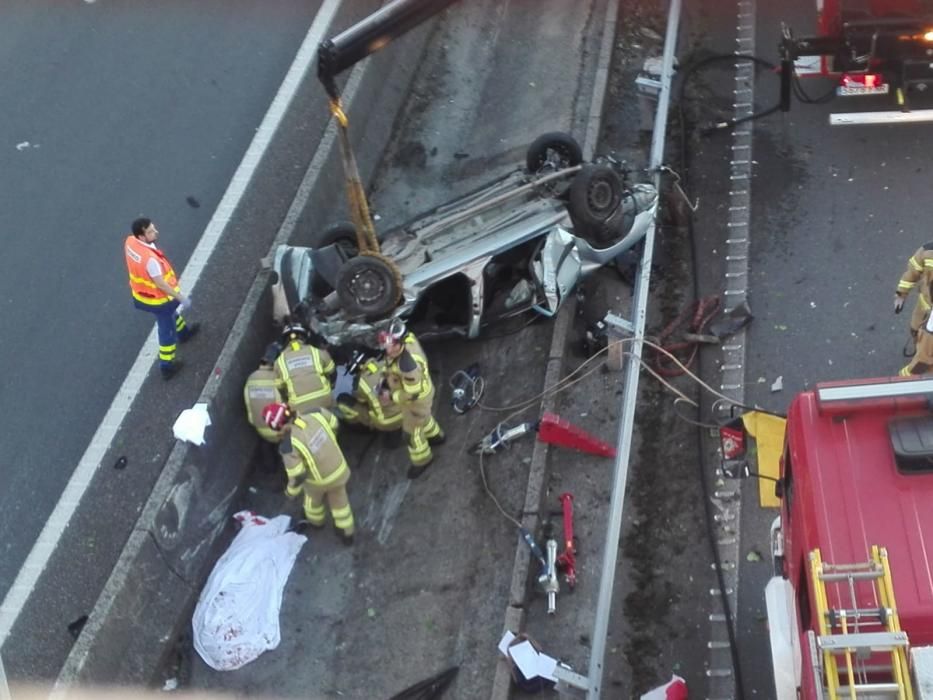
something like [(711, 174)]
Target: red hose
[(703, 310)]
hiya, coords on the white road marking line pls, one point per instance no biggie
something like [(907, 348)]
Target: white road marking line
[(48, 539)]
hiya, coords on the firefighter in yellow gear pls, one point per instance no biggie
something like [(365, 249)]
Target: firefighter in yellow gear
[(922, 361), (262, 388), (304, 371), (409, 386), (919, 274), (367, 405), (314, 464)]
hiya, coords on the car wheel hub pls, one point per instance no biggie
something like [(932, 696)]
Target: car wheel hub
[(600, 196), (367, 286)]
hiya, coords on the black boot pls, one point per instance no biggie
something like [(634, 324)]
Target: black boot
[(416, 470), (190, 331)]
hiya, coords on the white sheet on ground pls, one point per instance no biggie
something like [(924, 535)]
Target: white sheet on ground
[(237, 615)]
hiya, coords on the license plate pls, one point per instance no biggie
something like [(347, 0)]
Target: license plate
[(847, 90)]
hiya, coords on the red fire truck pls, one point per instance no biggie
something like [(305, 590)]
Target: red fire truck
[(850, 605), (880, 48)]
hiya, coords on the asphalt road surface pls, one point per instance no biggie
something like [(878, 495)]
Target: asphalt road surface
[(111, 110), (836, 212), (839, 211)]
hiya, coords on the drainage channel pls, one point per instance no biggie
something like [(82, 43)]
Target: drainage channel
[(722, 682)]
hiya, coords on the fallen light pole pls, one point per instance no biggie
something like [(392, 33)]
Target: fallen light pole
[(632, 369)]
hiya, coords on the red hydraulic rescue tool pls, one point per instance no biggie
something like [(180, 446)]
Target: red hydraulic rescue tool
[(567, 561)]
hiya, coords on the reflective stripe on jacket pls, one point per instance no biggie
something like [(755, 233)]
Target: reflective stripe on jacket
[(367, 390), (262, 388), (303, 371), (142, 287), (919, 271), (316, 456), (407, 375)]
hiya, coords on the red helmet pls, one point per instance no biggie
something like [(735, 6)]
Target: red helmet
[(275, 415), (393, 336)]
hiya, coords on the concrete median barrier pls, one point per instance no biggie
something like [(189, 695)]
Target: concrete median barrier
[(149, 596)]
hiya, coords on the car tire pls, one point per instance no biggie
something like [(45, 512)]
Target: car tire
[(369, 286), (556, 149), (595, 199), (343, 235)]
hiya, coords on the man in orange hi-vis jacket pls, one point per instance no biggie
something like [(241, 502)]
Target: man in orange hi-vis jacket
[(154, 286)]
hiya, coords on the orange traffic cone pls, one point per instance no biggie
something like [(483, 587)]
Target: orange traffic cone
[(555, 430)]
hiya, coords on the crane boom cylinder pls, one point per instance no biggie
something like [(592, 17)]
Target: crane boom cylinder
[(371, 34)]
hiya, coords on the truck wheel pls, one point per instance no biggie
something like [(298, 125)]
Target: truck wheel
[(595, 197), (369, 285), (556, 150)]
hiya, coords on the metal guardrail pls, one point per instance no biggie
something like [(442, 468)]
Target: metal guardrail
[(632, 370)]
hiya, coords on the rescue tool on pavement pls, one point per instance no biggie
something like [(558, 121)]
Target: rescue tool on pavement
[(850, 605)]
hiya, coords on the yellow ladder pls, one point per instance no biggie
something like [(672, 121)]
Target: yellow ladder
[(859, 633)]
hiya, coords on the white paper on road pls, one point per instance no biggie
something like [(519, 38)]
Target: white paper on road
[(505, 641), (526, 658), (237, 615), (546, 666), (192, 423)]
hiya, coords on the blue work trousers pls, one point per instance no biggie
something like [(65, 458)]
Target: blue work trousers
[(172, 327)]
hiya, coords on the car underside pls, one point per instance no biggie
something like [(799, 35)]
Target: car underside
[(517, 244)]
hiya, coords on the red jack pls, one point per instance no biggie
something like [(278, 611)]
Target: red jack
[(567, 561)]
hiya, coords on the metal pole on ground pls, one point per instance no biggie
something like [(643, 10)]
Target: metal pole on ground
[(632, 369)]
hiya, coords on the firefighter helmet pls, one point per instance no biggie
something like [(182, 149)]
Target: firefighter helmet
[(275, 415), (393, 335), (295, 331)]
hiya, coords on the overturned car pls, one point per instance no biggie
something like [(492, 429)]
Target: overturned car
[(516, 245)]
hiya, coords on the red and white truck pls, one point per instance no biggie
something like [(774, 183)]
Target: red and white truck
[(880, 52), (850, 605)]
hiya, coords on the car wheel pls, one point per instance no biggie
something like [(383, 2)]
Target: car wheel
[(341, 233), (596, 195), (369, 285), (555, 150)]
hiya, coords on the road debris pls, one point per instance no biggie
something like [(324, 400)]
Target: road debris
[(191, 424), (731, 321), (532, 670), (675, 689), (74, 629), (429, 689)]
